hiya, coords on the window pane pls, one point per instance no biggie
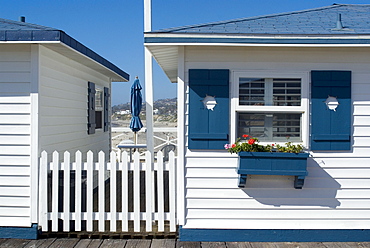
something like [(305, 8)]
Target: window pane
[(251, 91), (270, 127), (287, 126), (98, 98), (287, 92)]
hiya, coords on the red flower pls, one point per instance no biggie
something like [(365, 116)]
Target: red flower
[(272, 144), (251, 141), (245, 135), (233, 146)]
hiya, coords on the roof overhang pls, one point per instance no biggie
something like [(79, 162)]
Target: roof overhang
[(62, 43), (164, 46)]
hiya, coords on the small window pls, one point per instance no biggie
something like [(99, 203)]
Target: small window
[(99, 107), (98, 103), (269, 108)]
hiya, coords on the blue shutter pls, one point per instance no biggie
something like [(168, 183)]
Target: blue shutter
[(208, 129), (331, 130), (106, 109), (91, 124)]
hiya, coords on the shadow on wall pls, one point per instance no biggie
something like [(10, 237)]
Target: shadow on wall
[(319, 189)]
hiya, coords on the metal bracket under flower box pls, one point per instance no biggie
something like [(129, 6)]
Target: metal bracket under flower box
[(273, 163)]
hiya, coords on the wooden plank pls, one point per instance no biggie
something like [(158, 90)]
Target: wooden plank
[(16, 87), (149, 191), (15, 129), (55, 189), (163, 243), (14, 201), (136, 192), (160, 192), (89, 243), (341, 244), (24, 150), (16, 243), (138, 243), (213, 244), (277, 223), (15, 139), (101, 188), (15, 109), (15, 191), (10, 180), (238, 245), (15, 170), (15, 119), (78, 190), (113, 243), (124, 192), (277, 214), (66, 191), (113, 192), (21, 160), (89, 193), (187, 244), (64, 242), (41, 243)]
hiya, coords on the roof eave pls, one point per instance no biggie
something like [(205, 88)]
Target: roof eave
[(256, 39), (56, 36)]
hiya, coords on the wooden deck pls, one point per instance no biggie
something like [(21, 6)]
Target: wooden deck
[(163, 243)]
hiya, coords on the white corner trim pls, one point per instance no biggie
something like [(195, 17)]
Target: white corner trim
[(35, 73)]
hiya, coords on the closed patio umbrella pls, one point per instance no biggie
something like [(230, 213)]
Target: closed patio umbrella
[(136, 103)]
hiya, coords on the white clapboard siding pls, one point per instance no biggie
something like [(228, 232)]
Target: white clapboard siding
[(337, 181), (277, 224), (15, 135), (63, 105), (105, 165)]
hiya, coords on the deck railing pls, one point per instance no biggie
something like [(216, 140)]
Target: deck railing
[(86, 196)]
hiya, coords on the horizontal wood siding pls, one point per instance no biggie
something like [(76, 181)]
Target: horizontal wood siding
[(15, 135), (63, 105), (336, 193)]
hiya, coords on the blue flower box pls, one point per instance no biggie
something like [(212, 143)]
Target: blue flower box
[(273, 163)]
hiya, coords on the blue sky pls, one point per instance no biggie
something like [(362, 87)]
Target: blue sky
[(114, 28)]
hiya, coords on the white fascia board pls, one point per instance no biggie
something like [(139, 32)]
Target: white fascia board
[(29, 42)]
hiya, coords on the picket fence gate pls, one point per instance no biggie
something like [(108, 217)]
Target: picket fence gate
[(75, 196)]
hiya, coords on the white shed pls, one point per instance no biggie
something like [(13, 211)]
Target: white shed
[(304, 58), (54, 96)]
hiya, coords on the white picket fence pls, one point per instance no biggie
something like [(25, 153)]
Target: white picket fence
[(58, 205)]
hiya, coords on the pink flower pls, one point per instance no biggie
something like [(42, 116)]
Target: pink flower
[(227, 146)]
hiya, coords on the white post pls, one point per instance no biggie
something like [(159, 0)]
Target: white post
[(148, 80)]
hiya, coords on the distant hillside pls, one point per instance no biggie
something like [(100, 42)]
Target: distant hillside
[(161, 107)]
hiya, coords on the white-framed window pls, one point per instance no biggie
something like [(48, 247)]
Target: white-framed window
[(99, 106), (270, 105)]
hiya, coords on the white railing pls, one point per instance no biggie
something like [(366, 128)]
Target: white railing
[(161, 140), (79, 192)]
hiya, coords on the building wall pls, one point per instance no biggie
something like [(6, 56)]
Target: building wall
[(336, 194), (15, 135), (63, 105)]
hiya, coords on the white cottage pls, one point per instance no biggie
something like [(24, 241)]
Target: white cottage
[(54, 96), (303, 74)]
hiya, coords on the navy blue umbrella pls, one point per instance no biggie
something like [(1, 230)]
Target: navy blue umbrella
[(136, 103)]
